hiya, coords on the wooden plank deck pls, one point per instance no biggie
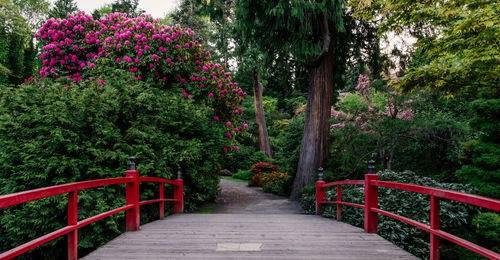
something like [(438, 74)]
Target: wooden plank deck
[(248, 236)]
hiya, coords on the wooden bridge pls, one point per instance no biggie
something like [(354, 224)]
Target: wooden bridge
[(246, 236), (249, 236)]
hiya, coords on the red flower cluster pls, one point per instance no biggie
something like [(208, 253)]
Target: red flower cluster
[(273, 177), (261, 170), (262, 167)]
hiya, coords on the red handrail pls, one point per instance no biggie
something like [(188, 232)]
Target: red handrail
[(131, 208), (371, 184)]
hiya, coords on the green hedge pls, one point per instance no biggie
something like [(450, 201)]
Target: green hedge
[(52, 134)]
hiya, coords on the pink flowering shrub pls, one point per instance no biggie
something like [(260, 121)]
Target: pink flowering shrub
[(80, 49), (368, 107), (372, 120)]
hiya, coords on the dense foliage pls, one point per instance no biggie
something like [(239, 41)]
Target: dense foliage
[(270, 178), (19, 18), (481, 156), (399, 131), (100, 99), (457, 53), (55, 135)]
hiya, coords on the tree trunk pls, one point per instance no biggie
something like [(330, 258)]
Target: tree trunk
[(264, 144), (314, 148), (381, 153), (391, 153)]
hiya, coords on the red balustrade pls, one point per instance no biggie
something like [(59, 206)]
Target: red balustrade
[(131, 208), (371, 210)]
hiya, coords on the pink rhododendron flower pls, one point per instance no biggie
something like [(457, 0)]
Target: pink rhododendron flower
[(73, 45)]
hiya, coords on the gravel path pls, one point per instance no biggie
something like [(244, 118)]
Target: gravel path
[(238, 198)]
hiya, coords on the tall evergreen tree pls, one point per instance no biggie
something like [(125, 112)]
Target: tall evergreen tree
[(311, 31), (130, 7), (29, 58), (15, 58), (98, 13), (190, 15), (34, 12), (62, 8), (4, 71), (221, 13)]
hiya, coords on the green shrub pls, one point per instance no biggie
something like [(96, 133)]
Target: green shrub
[(481, 166), (55, 135), (246, 175), (488, 229), (286, 145), (276, 182), (454, 215), (244, 158)]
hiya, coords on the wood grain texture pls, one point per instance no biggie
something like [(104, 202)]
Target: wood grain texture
[(283, 236)]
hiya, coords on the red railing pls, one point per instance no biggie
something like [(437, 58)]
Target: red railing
[(371, 210), (131, 208)]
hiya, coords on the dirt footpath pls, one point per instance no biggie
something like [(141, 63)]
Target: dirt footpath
[(238, 198)]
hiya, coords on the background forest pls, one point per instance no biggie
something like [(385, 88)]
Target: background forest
[(412, 85)]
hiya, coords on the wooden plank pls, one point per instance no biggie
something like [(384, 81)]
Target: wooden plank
[(282, 236)]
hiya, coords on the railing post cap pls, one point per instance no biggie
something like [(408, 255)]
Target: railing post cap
[(371, 166), (320, 174), (179, 173), (131, 164)]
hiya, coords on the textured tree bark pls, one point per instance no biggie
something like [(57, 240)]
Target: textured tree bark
[(264, 144), (314, 148), (391, 154)]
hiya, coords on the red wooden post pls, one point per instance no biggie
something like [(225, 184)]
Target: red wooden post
[(73, 220), (132, 215), (179, 192), (162, 203), (320, 191), (371, 200), (339, 199), (434, 226)]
